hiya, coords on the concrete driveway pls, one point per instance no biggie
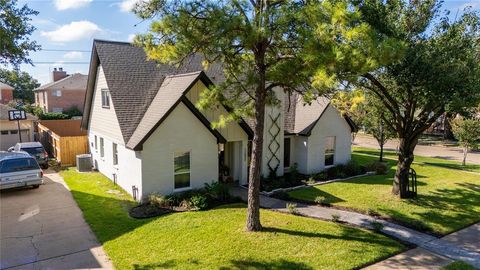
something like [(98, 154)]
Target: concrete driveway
[(44, 229)]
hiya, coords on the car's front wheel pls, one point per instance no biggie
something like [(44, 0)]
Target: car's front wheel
[(45, 166), (35, 186)]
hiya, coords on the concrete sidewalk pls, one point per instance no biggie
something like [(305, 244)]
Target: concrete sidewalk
[(44, 229), (430, 243)]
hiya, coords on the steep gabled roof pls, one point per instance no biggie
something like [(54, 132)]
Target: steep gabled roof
[(75, 81), (171, 93), (134, 82), (301, 118), (5, 86)]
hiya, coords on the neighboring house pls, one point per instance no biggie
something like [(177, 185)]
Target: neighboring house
[(62, 93), (6, 93), (63, 140), (9, 130), (146, 134)]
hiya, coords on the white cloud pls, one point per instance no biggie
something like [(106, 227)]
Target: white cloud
[(73, 32), (70, 4), (73, 55), (128, 5), (131, 37)]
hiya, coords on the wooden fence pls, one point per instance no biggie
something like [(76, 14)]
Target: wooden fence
[(63, 140)]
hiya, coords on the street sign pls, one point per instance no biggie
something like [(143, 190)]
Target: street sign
[(15, 115)]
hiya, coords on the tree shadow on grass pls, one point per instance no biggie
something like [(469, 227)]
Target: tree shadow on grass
[(279, 264), (348, 234), (451, 209)]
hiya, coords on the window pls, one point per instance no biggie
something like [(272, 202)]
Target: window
[(58, 110), (18, 164), (329, 151), (96, 145), (105, 98), (57, 93), (4, 132), (115, 154), (181, 165), (286, 152), (102, 150), (13, 131)]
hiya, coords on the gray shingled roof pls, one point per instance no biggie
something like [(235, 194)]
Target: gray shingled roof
[(300, 118), (133, 81), (172, 89), (74, 81)]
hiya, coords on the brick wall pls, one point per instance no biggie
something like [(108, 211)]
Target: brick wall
[(7, 96), (68, 99)]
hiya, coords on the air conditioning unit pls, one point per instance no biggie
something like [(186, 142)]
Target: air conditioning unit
[(84, 163)]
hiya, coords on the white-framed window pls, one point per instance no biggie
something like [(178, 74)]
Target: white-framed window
[(329, 151), (57, 93), (105, 98), (102, 149), (56, 109), (96, 144), (115, 153), (181, 169)]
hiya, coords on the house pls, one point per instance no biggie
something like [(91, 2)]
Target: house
[(62, 93), (146, 134), (9, 129), (63, 140), (6, 93)]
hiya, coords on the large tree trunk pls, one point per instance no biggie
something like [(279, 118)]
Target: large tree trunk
[(405, 160), (253, 211)]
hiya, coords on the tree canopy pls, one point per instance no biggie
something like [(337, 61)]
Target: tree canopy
[(302, 46), (15, 31), (22, 82)]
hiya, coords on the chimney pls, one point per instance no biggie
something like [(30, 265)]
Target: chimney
[(58, 74)]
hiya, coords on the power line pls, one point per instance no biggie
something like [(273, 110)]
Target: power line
[(64, 50)]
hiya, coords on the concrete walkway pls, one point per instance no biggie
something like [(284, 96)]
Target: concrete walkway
[(430, 243), (44, 229)]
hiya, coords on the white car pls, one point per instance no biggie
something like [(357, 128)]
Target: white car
[(19, 169)]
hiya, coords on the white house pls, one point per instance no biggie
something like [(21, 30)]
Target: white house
[(146, 134)]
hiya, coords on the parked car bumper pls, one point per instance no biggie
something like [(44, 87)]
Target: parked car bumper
[(17, 184)]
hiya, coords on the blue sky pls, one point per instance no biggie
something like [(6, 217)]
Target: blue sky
[(66, 28)]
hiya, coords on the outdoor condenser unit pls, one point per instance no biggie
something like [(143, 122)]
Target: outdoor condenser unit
[(84, 163)]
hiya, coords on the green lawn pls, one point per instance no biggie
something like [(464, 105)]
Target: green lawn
[(216, 239), (458, 265), (448, 199)]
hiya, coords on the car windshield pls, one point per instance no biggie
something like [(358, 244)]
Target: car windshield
[(18, 164), (33, 150)]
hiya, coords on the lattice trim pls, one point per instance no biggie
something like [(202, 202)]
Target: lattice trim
[(274, 146)]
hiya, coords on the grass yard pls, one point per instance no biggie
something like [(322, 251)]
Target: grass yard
[(458, 265), (216, 239), (448, 199)]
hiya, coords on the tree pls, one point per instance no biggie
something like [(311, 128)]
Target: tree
[(302, 46), (22, 82), (439, 70), (467, 132), (15, 31)]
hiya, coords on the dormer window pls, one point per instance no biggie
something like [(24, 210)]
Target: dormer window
[(105, 99)]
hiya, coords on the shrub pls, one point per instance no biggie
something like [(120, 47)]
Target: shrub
[(352, 169), (335, 217), (321, 176), (53, 116), (378, 167), (198, 202), (321, 200), (158, 200), (311, 181), (73, 111), (292, 208), (217, 191)]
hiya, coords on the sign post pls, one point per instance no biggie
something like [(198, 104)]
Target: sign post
[(17, 115)]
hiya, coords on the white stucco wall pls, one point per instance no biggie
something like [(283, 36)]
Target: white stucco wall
[(104, 124), (330, 124), (181, 131), (232, 132)]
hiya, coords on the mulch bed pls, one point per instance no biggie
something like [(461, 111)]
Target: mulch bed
[(147, 210)]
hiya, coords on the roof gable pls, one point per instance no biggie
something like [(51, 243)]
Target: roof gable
[(75, 81), (5, 86)]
